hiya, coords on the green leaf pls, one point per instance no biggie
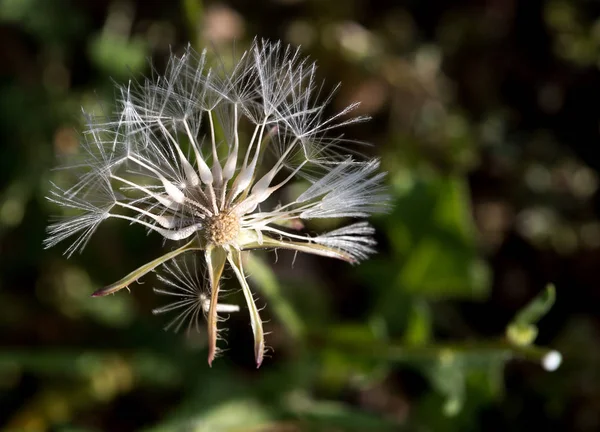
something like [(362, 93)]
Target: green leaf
[(434, 242), (437, 268)]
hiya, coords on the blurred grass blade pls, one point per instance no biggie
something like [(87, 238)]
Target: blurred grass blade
[(265, 278), (194, 16), (419, 326)]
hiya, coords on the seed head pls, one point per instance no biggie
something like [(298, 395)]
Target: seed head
[(200, 153), (222, 229)]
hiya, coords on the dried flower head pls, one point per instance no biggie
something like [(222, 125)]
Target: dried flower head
[(176, 160)]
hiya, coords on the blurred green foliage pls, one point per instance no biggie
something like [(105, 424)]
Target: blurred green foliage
[(480, 117)]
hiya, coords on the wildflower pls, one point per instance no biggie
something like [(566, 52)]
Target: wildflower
[(175, 160)]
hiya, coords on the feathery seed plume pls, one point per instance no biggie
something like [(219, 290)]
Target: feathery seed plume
[(175, 160)]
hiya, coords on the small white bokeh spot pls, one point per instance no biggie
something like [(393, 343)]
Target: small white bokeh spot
[(552, 361)]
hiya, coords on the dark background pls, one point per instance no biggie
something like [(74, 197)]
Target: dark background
[(486, 115)]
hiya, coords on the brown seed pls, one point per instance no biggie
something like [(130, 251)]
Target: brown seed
[(222, 228)]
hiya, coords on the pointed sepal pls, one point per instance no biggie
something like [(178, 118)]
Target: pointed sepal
[(145, 269), (215, 262), (235, 260)]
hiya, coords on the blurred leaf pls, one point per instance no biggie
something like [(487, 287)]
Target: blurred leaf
[(448, 377), (118, 56), (457, 374), (45, 18), (144, 367), (333, 416), (443, 260), (70, 293), (436, 269), (419, 326), (12, 204), (337, 367), (234, 415), (453, 208), (194, 15), (264, 277)]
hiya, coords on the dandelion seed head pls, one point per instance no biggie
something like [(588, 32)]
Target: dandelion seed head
[(201, 152)]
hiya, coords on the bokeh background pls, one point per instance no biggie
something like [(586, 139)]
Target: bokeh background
[(486, 115)]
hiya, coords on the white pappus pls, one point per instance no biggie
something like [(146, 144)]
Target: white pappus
[(175, 159)]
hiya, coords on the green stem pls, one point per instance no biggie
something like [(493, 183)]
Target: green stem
[(397, 352)]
